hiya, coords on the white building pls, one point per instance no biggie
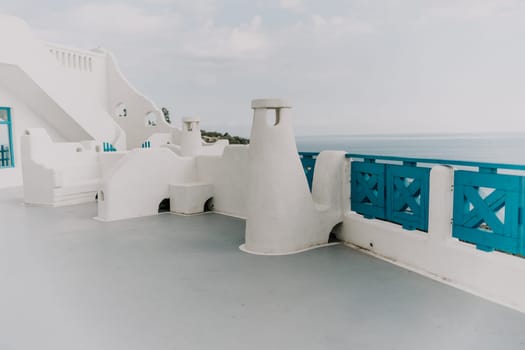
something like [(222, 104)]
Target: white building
[(74, 94)]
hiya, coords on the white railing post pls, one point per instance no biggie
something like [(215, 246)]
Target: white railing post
[(440, 202)]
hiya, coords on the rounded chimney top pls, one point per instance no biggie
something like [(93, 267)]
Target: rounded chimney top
[(270, 103), (191, 119)]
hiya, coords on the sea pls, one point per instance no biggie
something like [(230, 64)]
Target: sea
[(489, 148)]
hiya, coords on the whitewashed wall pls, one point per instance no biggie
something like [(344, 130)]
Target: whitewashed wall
[(58, 173), (71, 92), (53, 80), (22, 118), (140, 180), (138, 108), (227, 173), (492, 275)]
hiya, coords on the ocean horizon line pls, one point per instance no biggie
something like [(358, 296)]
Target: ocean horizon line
[(487, 135)]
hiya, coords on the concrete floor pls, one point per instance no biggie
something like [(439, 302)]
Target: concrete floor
[(172, 282)]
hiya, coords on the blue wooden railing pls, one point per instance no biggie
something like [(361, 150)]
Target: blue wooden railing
[(308, 160), (488, 206), (108, 147), (146, 144)]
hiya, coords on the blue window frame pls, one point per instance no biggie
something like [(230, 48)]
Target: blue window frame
[(7, 159)]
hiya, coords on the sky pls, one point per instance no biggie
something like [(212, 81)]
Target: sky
[(347, 66)]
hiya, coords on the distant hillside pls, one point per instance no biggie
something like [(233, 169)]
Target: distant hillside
[(212, 136)]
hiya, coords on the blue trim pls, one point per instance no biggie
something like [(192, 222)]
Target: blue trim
[(486, 167), (8, 122), (483, 167)]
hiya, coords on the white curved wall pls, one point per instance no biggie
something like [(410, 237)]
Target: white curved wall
[(140, 180), (120, 91), (331, 188)]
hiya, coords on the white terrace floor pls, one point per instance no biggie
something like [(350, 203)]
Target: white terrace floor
[(172, 282)]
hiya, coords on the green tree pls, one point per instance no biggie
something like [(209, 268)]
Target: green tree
[(166, 114)]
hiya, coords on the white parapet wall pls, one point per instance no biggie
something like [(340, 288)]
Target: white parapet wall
[(330, 192), (263, 182), (58, 174), (493, 275), (140, 180), (136, 182), (214, 149), (228, 174)]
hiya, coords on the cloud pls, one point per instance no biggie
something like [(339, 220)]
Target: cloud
[(472, 9), (339, 26), (292, 5), (112, 25), (119, 19), (362, 60), (242, 41)]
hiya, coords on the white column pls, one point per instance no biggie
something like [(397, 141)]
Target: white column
[(281, 217), (191, 142), (440, 202)]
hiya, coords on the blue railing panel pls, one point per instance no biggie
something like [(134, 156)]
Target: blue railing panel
[(407, 195), (488, 210), (368, 189), (146, 144), (308, 160)]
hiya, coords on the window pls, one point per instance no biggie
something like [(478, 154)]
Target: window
[(6, 139), (121, 110)]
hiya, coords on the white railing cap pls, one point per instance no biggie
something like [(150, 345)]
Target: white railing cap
[(270, 103), (190, 119)]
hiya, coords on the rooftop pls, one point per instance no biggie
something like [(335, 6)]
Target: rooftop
[(180, 282)]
